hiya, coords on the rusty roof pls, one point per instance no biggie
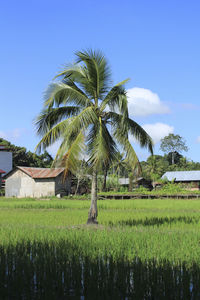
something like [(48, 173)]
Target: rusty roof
[(41, 172)]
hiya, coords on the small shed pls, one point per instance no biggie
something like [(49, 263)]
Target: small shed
[(191, 179), (36, 182)]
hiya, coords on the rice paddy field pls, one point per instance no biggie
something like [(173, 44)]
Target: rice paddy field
[(141, 249)]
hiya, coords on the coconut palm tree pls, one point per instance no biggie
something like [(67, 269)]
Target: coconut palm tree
[(81, 109)]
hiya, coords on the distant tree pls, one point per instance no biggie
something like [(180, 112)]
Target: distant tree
[(173, 143)]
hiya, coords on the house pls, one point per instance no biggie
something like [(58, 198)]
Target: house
[(1, 173), (36, 182), (6, 162), (191, 179)]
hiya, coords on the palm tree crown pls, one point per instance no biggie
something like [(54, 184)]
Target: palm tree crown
[(81, 109)]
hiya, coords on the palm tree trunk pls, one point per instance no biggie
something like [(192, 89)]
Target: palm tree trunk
[(93, 213)]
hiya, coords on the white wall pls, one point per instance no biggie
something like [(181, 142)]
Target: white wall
[(6, 161), (13, 184), (43, 187)]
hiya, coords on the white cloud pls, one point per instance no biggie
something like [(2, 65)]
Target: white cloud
[(158, 131), (198, 139), (143, 102)]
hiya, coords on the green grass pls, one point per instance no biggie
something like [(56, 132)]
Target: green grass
[(51, 236)]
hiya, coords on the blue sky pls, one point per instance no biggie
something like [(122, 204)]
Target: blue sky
[(155, 43)]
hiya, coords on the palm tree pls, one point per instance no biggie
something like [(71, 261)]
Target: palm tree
[(80, 109)]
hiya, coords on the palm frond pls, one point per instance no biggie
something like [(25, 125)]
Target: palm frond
[(68, 128), (69, 157), (140, 135), (72, 71), (52, 135), (101, 146), (97, 71), (131, 158), (112, 98), (60, 93), (50, 117), (127, 125)]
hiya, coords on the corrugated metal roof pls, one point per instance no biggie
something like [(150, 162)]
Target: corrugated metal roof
[(182, 176), (41, 172)]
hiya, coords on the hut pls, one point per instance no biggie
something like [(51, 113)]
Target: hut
[(36, 182)]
